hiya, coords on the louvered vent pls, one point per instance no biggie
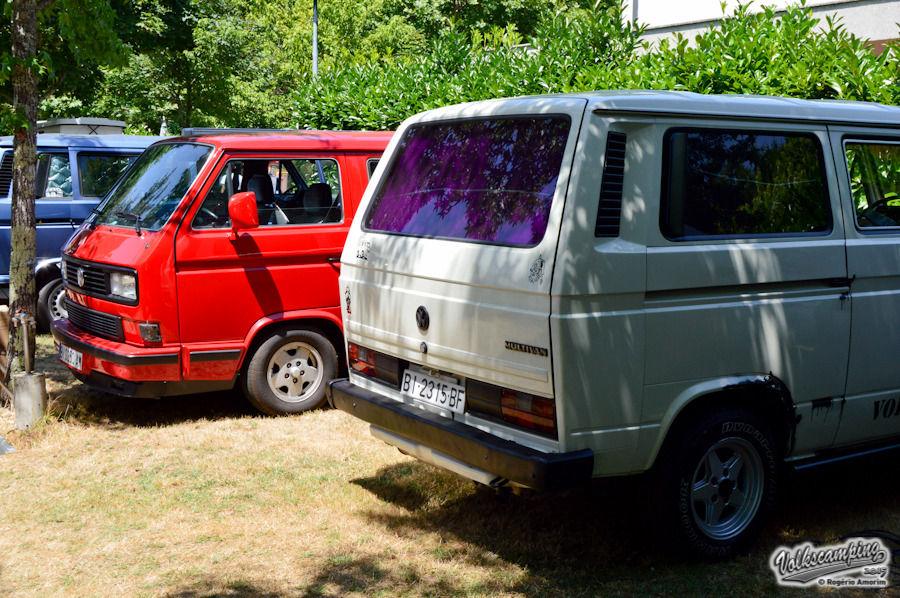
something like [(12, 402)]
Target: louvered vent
[(6, 174), (609, 213), (95, 322)]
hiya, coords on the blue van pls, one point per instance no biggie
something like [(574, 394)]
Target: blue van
[(73, 174)]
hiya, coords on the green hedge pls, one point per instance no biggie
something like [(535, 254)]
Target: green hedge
[(774, 53)]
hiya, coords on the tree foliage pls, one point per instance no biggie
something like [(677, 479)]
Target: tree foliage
[(248, 62), (74, 37), (45, 41), (786, 53), (239, 63), (465, 65)]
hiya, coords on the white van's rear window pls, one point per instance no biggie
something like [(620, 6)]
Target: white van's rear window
[(488, 180)]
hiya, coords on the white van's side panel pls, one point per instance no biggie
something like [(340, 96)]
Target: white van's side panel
[(643, 325), (872, 408), (598, 292), (750, 307)]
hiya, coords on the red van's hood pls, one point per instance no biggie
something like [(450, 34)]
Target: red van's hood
[(112, 245), (150, 255)]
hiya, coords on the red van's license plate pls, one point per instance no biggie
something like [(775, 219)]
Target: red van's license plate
[(70, 357), (434, 391)]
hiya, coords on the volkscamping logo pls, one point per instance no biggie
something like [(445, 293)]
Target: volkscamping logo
[(855, 562)]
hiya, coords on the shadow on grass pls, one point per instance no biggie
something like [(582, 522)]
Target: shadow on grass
[(593, 539), (232, 590), (589, 540), (90, 407), (831, 501), (368, 576)]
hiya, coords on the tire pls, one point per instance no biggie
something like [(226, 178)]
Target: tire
[(716, 484), (50, 303), (290, 371)]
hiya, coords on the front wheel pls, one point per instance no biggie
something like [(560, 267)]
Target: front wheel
[(51, 303), (716, 483), (290, 371)]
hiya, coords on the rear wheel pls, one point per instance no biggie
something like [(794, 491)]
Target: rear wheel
[(290, 371), (716, 483), (51, 303)]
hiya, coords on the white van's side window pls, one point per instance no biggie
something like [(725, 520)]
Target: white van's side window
[(875, 182), (731, 183)]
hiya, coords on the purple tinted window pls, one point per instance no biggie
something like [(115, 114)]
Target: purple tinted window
[(484, 180)]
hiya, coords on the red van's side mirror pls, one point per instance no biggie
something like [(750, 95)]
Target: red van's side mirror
[(242, 211)]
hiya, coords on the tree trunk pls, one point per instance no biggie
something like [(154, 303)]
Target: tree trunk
[(25, 102)]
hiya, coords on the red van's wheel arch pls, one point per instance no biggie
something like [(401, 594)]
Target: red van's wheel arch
[(289, 372)]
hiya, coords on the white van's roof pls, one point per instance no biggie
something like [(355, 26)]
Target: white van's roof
[(693, 104), (746, 106)]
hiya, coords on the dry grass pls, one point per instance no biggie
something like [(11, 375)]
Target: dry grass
[(199, 496)]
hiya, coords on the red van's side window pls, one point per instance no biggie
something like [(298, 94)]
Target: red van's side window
[(289, 191)]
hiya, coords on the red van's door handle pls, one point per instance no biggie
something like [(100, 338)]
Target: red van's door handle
[(335, 263)]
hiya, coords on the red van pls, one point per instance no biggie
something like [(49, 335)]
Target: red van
[(216, 257)]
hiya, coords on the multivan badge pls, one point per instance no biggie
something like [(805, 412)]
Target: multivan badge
[(347, 299), (527, 349)]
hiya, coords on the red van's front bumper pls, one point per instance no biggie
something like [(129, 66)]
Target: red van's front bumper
[(127, 370)]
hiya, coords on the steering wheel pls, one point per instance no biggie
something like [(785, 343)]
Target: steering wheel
[(873, 215), (210, 218), (289, 200)]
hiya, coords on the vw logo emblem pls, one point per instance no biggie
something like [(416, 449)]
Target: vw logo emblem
[(79, 277), (422, 319)]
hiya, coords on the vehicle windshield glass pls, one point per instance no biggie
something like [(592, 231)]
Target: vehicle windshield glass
[(489, 180), (154, 186)]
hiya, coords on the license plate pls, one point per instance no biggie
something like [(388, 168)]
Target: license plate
[(70, 357), (434, 391)]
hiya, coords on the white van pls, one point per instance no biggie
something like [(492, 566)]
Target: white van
[(541, 290)]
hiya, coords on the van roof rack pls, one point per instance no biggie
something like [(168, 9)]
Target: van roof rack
[(192, 131)]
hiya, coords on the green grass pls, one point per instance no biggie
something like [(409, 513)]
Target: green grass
[(200, 496)]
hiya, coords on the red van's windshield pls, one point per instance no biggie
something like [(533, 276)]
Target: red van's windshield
[(482, 180), (154, 186)]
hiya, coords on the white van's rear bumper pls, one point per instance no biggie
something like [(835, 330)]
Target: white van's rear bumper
[(456, 442)]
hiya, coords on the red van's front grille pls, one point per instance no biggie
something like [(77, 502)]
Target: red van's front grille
[(95, 322), (94, 279)]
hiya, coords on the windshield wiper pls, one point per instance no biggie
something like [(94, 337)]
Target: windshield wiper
[(134, 217), (91, 220)]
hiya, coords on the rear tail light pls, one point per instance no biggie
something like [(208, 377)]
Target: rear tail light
[(528, 411), (361, 359), (376, 365)]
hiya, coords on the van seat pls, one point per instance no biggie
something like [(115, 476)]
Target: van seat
[(317, 204)]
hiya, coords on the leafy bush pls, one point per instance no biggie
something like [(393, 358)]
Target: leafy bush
[(773, 53)]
